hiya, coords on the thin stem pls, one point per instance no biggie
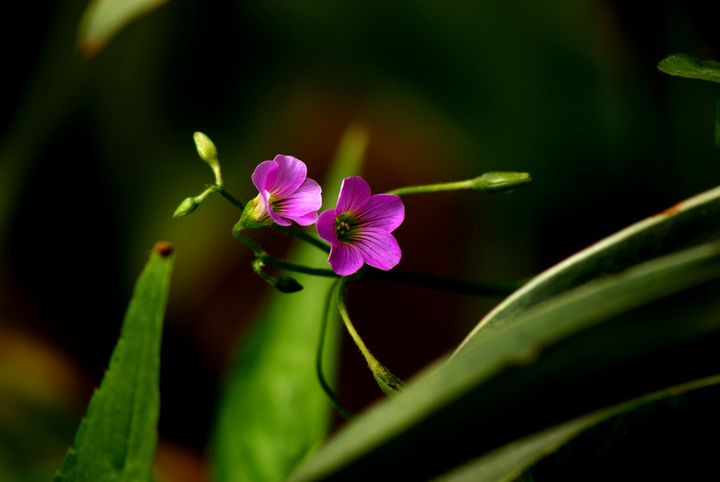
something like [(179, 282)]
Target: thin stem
[(446, 186), (415, 278), (302, 235), (319, 362), (229, 197), (259, 252), (328, 273), (490, 182), (372, 362)]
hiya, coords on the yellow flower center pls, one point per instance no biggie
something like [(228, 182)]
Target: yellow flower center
[(345, 225)]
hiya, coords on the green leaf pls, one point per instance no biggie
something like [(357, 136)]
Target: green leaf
[(117, 438), (716, 93), (684, 65), (103, 19), (602, 343), (508, 462), (274, 411), (686, 224)]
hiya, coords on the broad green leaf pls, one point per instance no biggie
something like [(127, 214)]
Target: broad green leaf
[(117, 438), (274, 411), (103, 19), (688, 223), (602, 343), (508, 462), (684, 65)]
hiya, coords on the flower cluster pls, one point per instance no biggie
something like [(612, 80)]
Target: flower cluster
[(358, 229)]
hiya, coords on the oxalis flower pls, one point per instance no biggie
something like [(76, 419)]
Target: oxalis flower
[(359, 228), (286, 195)]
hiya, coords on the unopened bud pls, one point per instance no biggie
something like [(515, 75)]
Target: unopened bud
[(389, 383), (205, 147), (186, 207), (286, 284), (501, 181)]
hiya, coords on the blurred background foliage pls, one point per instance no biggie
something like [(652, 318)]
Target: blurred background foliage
[(96, 153)]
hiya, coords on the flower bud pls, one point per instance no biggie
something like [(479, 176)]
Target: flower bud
[(501, 181), (286, 284), (389, 383), (205, 147), (186, 207)]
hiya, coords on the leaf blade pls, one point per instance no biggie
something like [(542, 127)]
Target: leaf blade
[(103, 19), (684, 65), (507, 463), (686, 224), (572, 361), (117, 438)]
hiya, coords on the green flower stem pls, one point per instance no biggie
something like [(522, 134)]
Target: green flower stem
[(302, 235), (415, 278), (388, 383), (319, 359), (220, 189), (259, 252), (257, 266), (372, 362), (490, 182), (445, 283), (279, 263)]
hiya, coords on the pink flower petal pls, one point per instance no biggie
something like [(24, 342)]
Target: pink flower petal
[(306, 219), (306, 199), (291, 174), (383, 211), (264, 175), (345, 259), (379, 248), (353, 192), (326, 226)]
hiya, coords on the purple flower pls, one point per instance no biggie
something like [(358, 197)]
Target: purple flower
[(286, 194), (359, 228)]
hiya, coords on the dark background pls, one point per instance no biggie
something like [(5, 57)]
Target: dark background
[(95, 154)]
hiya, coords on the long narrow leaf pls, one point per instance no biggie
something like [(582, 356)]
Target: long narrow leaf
[(688, 223), (117, 438), (508, 462), (603, 343), (103, 19)]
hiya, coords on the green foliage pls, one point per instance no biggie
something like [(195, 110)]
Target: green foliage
[(529, 90), (105, 18), (116, 440), (510, 461), (686, 224), (555, 356), (273, 411), (684, 65)]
